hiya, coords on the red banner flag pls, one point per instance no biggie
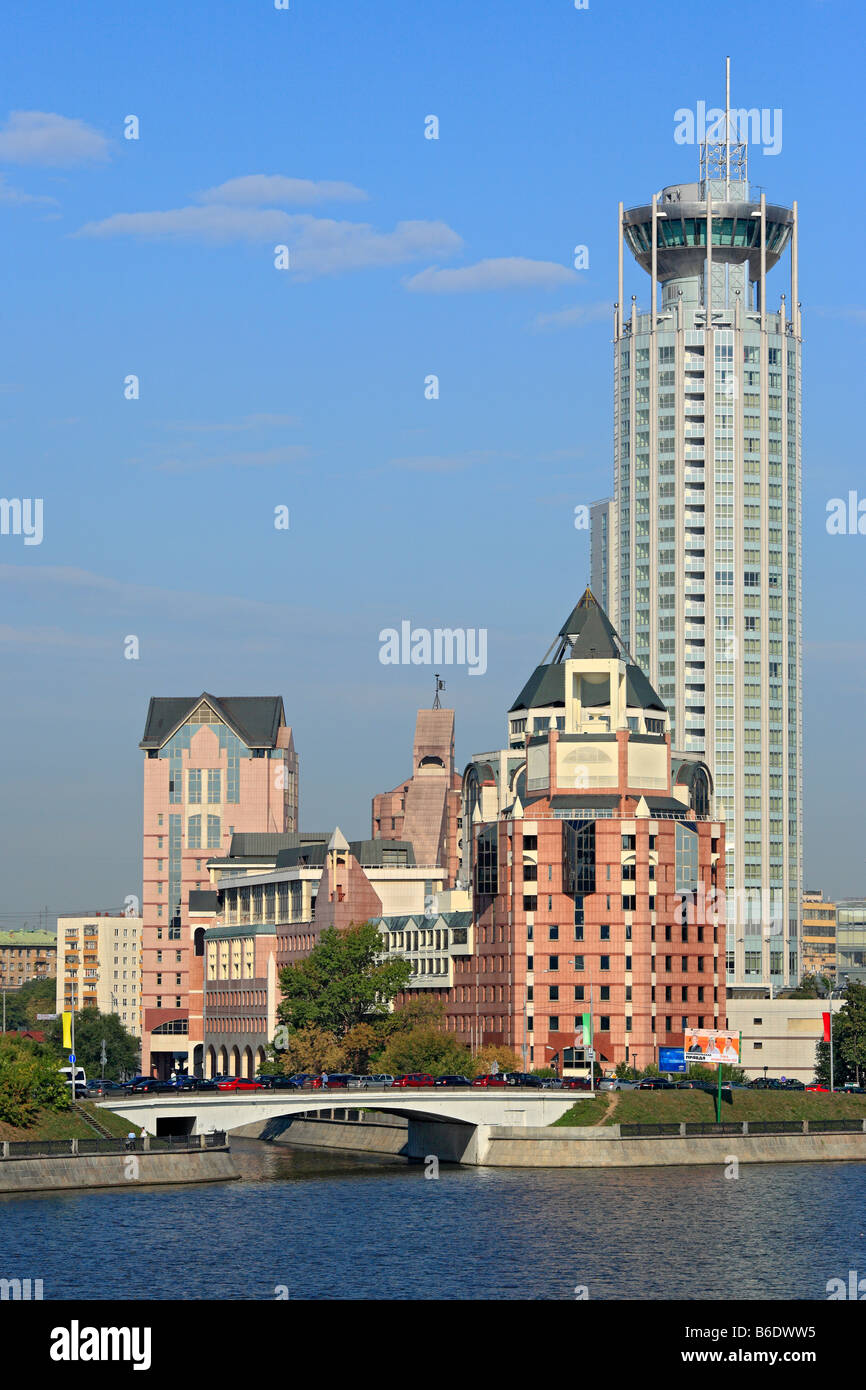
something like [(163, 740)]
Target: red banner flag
[(826, 1018)]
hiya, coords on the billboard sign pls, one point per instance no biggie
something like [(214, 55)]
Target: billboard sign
[(672, 1059), (711, 1045)]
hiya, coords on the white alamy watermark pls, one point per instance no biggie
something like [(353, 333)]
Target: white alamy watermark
[(762, 908), (440, 646), (846, 518), (854, 1290), (77, 1343), (24, 1289), (22, 516), (743, 127)]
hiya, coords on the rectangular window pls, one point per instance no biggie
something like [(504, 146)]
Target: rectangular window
[(214, 786), (193, 832), (213, 832), (193, 785)]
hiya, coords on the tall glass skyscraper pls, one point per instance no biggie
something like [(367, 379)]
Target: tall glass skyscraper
[(703, 537)]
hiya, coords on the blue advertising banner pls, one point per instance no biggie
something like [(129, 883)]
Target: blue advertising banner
[(672, 1059)]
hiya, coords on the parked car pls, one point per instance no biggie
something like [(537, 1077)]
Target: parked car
[(523, 1078), (202, 1083), (149, 1085), (183, 1083), (381, 1080), (816, 1087), (239, 1083), (685, 1085), (606, 1083), (303, 1078), (452, 1081), (414, 1078), (490, 1078), (100, 1086), (620, 1083), (338, 1081), (282, 1083), (574, 1083), (655, 1083)]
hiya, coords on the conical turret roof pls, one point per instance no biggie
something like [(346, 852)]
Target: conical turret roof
[(587, 634)]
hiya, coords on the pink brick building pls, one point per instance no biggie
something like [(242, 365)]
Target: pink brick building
[(214, 766)]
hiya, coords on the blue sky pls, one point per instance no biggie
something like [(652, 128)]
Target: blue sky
[(305, 388)]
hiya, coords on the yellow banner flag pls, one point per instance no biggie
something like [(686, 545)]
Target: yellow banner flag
[(67, 1031)]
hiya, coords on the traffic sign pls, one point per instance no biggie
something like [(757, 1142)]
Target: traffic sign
[(44, 1018), (590, 1054), (72, 1059)]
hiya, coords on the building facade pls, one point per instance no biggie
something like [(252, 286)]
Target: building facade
[(705, 534), (851, 940), (99, 965), (214, 766), (595, 863), (819, 935), (26, 955), (780, 1036), (425, 809)]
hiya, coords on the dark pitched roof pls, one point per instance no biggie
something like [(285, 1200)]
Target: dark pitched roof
[(254, 718), (586, 633)]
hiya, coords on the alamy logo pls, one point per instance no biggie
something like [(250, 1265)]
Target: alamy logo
[(856, 1288), (442, 646), (750, 126), (846, 519), (77, 1343), (22, 516), (25, 1289)]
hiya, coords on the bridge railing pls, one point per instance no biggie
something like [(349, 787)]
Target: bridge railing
[(148, 1143)]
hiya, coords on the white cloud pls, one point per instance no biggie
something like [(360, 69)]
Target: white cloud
[(566, 318), (276, 190), (11, 196), (504, 273), (318, 246), (42, 137)]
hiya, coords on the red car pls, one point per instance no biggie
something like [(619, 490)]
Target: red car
[(415, 1078), (491, 1079), (239, 1083), (818, 1088)]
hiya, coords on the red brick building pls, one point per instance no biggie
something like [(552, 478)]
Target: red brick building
[(587, 845)]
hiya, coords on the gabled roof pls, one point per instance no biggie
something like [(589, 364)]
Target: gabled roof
[(254, 718)]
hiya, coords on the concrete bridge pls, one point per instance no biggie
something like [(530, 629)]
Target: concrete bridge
[(452, 1123)]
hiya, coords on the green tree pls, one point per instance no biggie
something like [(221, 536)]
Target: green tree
[(426, 1049), (506, 1059), (35, 997), (310, 1049), (849, 1041), (810, 987), (30, 1080), (121, 1047), (342, 982)]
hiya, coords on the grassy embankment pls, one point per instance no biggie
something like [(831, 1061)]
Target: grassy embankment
[(67, 1124), (662, 1107)]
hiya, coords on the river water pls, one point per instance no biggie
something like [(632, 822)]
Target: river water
[(304, 1225)]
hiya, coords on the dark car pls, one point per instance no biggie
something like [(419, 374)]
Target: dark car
[(183, 1083), (302, 1078), (202, 1083), (523, 1078), (101, 1086), (655, 1083), (491, 1078), (150, 1086), (415, 1078), (452, 1081), (283, 1083), (574, 1083)]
